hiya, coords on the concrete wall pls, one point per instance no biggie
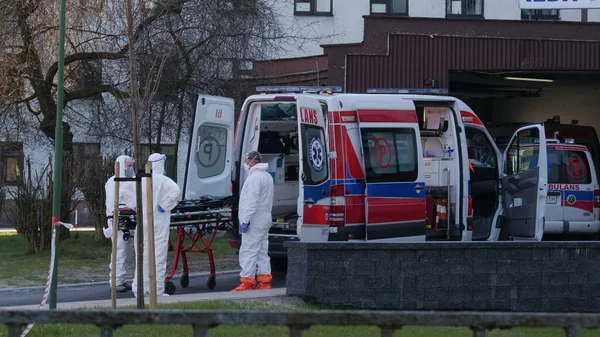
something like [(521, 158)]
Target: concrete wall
[(503, 276)]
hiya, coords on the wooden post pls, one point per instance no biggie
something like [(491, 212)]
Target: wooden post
[(115, 237), (150, 226)]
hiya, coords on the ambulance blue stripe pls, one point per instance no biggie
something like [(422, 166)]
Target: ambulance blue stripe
[(580, 195), (395, 190)]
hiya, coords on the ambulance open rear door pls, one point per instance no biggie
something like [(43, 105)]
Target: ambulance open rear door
[(525, 183), (313, 200), (210, 155), (395, 206)]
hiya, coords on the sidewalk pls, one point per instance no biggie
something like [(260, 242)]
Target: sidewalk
[(131, 302)]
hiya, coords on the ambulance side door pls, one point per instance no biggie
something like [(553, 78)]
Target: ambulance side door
[(208, 170), (315, 183), (525, 183), (394, 170)]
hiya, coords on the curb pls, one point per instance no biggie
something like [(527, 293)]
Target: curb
[(103, 304)]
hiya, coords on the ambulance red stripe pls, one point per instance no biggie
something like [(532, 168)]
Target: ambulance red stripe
[(387, 116), (386, 210), (583, 205)]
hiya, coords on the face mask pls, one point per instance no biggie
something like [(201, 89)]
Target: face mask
[(246, 167), (129, 172)]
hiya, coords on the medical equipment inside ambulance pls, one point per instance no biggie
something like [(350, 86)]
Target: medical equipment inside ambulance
[(441, 171)]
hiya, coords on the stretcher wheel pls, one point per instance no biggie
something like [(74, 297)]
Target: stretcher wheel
[(211, 283), (184, 281), (170, 288)]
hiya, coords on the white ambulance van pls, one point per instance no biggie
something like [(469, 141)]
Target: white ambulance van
[(367, 167), (573, 201)]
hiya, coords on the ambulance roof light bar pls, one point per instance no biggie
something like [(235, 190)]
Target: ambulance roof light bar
[(297, 89), (412, 91)]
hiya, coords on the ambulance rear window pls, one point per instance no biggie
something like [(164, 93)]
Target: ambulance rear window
[(390, 154), (574, 168), (564, 167)]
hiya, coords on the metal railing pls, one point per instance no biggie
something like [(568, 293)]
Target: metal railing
[(298, 321)]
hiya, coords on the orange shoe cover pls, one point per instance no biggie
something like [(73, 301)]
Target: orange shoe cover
[(264, 281), (247, 283)]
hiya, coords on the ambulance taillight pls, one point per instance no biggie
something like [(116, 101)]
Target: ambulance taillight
[(596, 198), (337, 207)]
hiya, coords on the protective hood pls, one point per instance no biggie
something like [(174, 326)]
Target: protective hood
[(158, 163), (122, 164), (259, 167)]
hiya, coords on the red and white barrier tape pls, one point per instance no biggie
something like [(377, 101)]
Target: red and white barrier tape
[(49, 280)]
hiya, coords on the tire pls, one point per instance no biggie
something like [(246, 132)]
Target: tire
[(211, 283), (184, 281), (170, 288)]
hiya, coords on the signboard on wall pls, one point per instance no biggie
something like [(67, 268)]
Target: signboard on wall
[(559, 4)]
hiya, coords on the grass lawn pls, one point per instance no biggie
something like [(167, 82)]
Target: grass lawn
[(64, 330), (81, 259)]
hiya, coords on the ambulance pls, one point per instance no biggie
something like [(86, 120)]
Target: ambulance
[(573, 201), (401, 166)]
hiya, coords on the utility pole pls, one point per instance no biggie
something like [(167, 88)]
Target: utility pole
[(58, 149), (140, 164)]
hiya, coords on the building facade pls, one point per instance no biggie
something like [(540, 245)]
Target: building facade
[(340, 21)]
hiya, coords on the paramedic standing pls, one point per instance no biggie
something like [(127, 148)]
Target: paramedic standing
[(256, 202), (125, 249), (165, 197)]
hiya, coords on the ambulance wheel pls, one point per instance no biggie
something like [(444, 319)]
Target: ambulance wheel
[(170, 288), (211, 283), (185, 281)]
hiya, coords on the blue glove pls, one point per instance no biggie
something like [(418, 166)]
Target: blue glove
[(160, 209), (244, 227)]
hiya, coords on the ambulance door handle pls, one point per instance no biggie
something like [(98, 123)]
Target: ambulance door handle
[(309, 202), (419, 188)]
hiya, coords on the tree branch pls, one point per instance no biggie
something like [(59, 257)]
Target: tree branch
[(81, 57), (69, 96)]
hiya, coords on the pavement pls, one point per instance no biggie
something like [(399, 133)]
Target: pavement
[(132, 302)]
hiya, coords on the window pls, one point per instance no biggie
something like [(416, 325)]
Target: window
[(480, 150), (568, 167), (390, 155), (393, 7), (211, 150), (313, 7), (314, 162), (523, 152), (169, 150), (11, 162), (539, 14), (464, 8)]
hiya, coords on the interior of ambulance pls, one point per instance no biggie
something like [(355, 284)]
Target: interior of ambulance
[(273, 131), (443, 165)]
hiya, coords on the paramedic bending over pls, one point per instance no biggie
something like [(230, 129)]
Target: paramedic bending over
[(125, 249), (256, 202)]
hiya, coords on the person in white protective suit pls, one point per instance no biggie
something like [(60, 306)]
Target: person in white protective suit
[(255, 205), (165, 197), (125, 248)]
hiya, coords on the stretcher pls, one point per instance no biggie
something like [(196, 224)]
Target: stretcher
[(201, 221)]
